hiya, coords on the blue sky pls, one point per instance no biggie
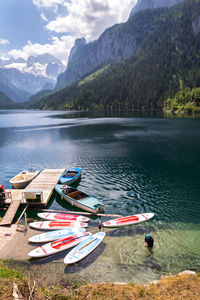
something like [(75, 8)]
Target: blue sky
[(33, 27)]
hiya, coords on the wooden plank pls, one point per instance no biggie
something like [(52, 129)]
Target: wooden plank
[(10, 214), (44, 182), (79, 213)]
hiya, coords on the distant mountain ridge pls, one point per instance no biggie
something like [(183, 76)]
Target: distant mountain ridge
[(165, 61), (116, 44), (25, 78)]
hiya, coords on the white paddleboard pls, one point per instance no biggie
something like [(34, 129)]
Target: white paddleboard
[(55, 235), (62, 217), (129, 220), (53, 225), (84, 248), (59, 245)]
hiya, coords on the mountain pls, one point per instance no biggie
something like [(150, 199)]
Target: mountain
[(15, 93), (115, 45), (165, 60), (6, 102), (26, 78), (151, 4)]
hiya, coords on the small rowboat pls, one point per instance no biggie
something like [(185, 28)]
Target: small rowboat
[(70, 176), (53, 225), (55, 235), (79, 199), (84, 248), (62, 217), (129, 220), (59, 245), (22, 179)]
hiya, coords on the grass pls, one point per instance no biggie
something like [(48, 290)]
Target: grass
[(177, 287)]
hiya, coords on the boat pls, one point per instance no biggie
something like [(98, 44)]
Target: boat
[(129, 220), (59, 245), (79, 199), (50, 236), (22, 179), (84, 248), (70, 176), (62, 217), (54, 225)]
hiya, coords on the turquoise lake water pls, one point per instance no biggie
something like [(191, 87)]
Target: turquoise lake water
[(133, 163)]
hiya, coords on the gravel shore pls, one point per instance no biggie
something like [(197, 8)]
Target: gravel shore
[(6, 234)]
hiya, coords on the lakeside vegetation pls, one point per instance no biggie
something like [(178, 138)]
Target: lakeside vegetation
[(185, 101), (184, 286)]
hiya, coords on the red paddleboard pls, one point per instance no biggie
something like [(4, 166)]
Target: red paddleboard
[(53, 225), (59, 245), (62, 217), (129, 220)]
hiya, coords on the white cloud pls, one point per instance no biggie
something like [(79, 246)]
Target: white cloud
[(43, 17), (89, 18), (4, 42), (80, 18), (59, 48), (48, 3)]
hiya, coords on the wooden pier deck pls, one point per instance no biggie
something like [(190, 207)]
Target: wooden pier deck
[(37, 193), (9, 216)]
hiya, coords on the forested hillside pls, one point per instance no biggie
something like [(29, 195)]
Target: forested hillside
[(166, 62), (6, 102)]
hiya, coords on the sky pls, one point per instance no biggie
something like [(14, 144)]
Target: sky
[(34, 27)]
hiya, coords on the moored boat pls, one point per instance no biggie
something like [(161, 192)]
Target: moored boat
[(22, 179), (79, 199), (70, 176)]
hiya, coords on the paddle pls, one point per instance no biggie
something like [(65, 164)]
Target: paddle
[(88, 244)]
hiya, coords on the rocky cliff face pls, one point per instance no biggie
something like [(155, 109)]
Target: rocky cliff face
[(114, 45), (151, 4)]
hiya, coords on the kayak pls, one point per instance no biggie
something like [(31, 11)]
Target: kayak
[(55, 235), (79, 199), (59, 245), (84, 248), (53, 225), (129, 220), (62, 217), (70, 176)]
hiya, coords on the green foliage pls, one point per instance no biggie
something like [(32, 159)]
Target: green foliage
[(8, 273), (186, 100), (167, 61), (5, 101), (93, 75)]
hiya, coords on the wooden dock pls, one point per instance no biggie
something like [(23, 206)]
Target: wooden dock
[(9, 216), (37, 193)]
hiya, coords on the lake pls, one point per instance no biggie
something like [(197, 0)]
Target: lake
[(133, 162)]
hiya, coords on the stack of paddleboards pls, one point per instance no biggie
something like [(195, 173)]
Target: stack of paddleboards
[(54, 221), (70, 232)]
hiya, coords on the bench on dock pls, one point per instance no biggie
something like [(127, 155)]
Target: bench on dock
[(32, 196)]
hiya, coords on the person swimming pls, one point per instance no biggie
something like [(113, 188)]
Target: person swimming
[(149, 241)]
